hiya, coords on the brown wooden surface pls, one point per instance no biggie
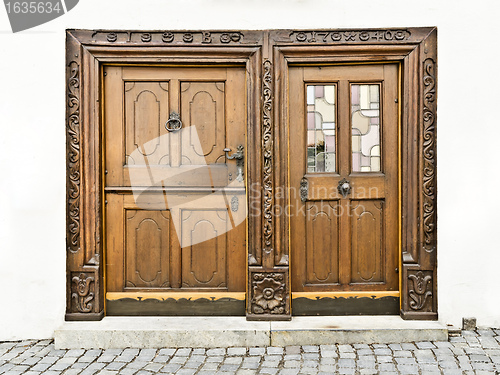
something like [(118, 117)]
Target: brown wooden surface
[(345, 244), (145, 236), (267, 56)]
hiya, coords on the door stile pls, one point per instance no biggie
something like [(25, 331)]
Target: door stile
[(268, 282)]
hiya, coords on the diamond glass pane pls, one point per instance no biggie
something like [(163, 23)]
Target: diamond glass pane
[(321, 128), (365, 121)]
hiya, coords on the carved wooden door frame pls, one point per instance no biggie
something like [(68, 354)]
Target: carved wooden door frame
[(267, 56)]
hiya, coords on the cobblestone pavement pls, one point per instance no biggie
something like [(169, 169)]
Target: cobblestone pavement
[(473, 352)]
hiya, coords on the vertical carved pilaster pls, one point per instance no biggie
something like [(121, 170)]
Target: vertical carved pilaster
[(419, 297), (268, 289), (83, 291)]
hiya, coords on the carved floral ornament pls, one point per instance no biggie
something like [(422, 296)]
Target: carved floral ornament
[(420, 289), (83, 295), (268, 293)]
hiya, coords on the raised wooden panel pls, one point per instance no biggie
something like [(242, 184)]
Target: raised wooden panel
[(204, 248), (322, 244), (147, 249), (146, 112), (202, 106), (367, 251)]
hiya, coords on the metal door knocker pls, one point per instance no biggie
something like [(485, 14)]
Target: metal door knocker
[(344, 187), (174, 122)]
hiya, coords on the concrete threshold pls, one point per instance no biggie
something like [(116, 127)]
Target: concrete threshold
[(223, 332)]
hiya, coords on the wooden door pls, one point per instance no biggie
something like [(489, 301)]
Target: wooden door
[(175, 198), (344, 242)]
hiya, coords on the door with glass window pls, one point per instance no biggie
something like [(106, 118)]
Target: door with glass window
[(343, 134)]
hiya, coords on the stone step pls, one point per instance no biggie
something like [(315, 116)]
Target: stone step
[(223, 332)]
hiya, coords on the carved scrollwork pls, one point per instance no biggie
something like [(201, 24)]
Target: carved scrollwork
[(419, 289), (267, 146), (73, 158), (429, 152), (83, 292), (269, 293)]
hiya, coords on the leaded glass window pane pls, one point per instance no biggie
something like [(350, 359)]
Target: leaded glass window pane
[(365, 121), (321, 128)]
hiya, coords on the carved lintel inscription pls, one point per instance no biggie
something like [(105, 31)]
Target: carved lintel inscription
[(73, 157), (429, 155), (420, 290), (181, 37), (360, 36), (82, 292), (268, 293), (267, 147)]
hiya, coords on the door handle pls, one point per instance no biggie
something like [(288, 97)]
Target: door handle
[(239, 155), (344, 187)]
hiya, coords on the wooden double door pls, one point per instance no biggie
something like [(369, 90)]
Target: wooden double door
[(343, 126), (175, 196), (175, 178)]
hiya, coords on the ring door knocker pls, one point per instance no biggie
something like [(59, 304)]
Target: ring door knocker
[(239, 155), (174, 122)]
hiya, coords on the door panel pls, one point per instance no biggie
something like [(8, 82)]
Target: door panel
[(146, 108), (147, 235), (343, 123), (204, 262), (203, 106), (368, 250), (322, 251), (172, 224)]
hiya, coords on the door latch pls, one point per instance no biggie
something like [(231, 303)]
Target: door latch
[(239, 155)]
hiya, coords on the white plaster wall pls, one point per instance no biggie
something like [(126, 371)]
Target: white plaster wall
[(32, 140)]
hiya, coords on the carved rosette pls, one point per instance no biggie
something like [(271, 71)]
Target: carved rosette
[(73, 157), (82, 292), (420, 290), (267, 147), (429, 155), (269, 293)]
